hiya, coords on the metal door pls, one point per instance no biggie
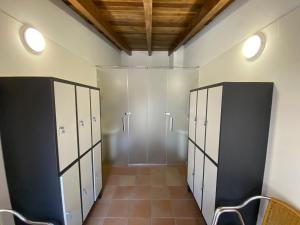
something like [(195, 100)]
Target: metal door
[(113, 85), (179, 83), (136, 118), (152, 105)]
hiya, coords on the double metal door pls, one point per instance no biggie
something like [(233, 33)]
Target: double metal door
[(144, 114)]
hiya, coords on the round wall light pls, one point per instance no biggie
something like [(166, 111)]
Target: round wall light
[(33, 39), (254, 46)]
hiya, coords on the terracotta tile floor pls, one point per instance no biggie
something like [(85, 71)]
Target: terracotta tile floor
[(145, 196)]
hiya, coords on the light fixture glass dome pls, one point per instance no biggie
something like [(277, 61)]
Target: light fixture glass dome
[(34, 40), (253, 46)]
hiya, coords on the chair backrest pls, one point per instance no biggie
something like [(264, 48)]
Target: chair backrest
[(280, 213)]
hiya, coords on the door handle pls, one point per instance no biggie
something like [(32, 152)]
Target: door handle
[(171, 123), (128, 114), (123, 123)]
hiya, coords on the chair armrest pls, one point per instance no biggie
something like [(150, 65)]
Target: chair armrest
[(235, 209), (22, 218)]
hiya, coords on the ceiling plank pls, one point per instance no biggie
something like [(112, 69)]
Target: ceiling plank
[(88, 9), (148, 23), (208, 11)]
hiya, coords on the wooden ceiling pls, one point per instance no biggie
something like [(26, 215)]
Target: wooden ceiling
[(149, 25)]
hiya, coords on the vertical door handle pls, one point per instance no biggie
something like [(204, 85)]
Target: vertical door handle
[(128, 114), (171, 123), (123, 123)]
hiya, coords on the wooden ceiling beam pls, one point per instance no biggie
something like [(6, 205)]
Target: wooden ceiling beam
[(148, 23), (208, 12), (89, 11)]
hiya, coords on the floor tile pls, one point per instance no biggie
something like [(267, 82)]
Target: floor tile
[(115, 221), (141, 192), (158, 180), (123, 192), (127, 180), (160, 193), (163, 221), (94, 221), (161, 208), (190, 221), (143, 171), (159, 170), (123, 170), (140, 208), (119, 208), (185, 208), (139, 221), (155, 195), (180, 193), (101, 208), (108, 192), (142, 180), (112, 180), (172, 171), (174, 180)]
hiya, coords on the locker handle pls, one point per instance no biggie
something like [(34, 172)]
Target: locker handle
[(84, 191), (81, 123), (69, 214), (94, 118), (62, 129)]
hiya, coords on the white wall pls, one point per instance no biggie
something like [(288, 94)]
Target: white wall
[(279, 63), (241, 19), (72, 49), (141, 58), (62, 25), (71, 53)]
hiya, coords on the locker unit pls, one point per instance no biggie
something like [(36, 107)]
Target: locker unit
[(97, 170), (227, 157), (50, 161), (84, 118)]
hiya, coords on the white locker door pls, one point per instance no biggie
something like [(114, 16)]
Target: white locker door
[(192, 115), (214, 106), (209, 190), (70, 189), (84, 119), (190, 170), (97, 164), (95, 107), (65, 107), (87, 193), (198, 178), (201, 118)]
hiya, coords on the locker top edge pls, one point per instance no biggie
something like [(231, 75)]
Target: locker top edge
[(50, 79), (270, 84)]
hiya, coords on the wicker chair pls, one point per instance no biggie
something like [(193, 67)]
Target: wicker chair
[(276, 213)]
